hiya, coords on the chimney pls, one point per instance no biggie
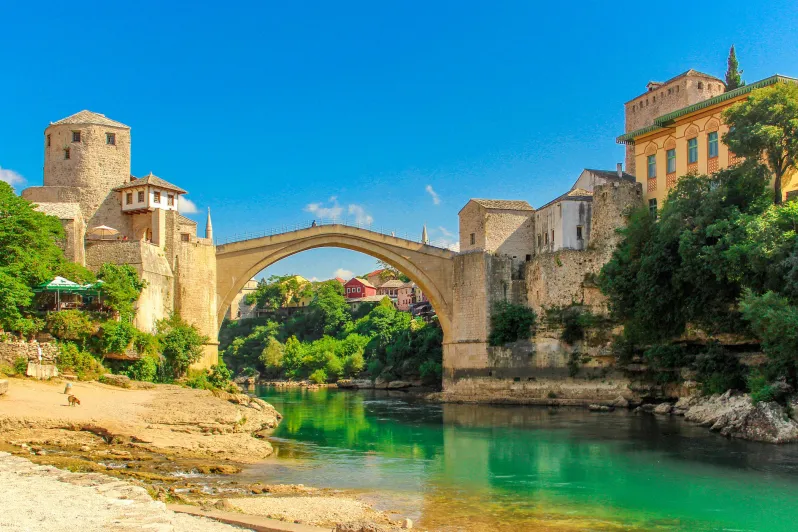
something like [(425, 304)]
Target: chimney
[(620, 170)]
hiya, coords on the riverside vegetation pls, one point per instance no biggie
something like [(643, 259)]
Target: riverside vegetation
[(30, 255), (721, 258), (326, 341)]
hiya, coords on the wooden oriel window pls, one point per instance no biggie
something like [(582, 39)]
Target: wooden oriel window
[(156, 197)]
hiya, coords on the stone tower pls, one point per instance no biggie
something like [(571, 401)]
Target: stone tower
[(661, 98), (89, 152)]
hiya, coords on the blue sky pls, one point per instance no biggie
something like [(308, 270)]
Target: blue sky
[(263, 109)]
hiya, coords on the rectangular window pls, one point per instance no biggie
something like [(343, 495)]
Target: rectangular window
[(156, 197), (552, 237), (579, 232), (540, 240), (170, 200), (547, 239), (48, 140), (692, 151), (473, 238), (110, 138), (712, 141), (652, 166), (671, 156), (141, 196), (184, 237), (129, 198), (76, 136), (66, 153), (652, 208)]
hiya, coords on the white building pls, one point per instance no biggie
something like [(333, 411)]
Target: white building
[(564, 223)]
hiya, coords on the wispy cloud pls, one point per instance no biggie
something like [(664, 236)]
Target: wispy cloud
[(11, 177), (333, 210), (343, 274), (360, 214), (186, 206), (445, 232), (449, 240), (435, 198)]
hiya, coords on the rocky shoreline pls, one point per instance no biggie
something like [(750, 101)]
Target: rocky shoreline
[(181, 445)]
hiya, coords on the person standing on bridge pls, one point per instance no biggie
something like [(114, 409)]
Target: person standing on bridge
[(313, 224)]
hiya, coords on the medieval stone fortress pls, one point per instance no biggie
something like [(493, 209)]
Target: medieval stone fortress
[(88, 185), (509, 251)]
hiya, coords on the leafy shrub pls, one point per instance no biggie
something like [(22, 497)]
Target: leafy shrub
[(354, 364), (718, 370), (375, 367), (431, 372), (574, 363), (575, 321), (510, 322), (319, 376), (145, 343), (70, 325), (117, 336), (83, 364), (20, 365), (181, 343), (144, 369), (219, 376)]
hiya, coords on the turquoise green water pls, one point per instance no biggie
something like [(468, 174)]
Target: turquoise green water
[(469, 467)]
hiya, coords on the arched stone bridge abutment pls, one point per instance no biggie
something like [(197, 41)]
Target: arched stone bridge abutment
[(429, 267)]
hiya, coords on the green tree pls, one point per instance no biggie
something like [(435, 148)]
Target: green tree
[(765, 127), (675, 271), (121, 288), (272, 357), (774, 320), (330, 308), (733, 72), (181, 344), (29, 255)]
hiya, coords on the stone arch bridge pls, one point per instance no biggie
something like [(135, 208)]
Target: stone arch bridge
[(460, 286), (430, 267)]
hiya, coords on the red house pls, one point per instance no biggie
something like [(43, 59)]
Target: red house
[(357, 288)]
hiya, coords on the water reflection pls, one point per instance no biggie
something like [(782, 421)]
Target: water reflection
[(472, 466)]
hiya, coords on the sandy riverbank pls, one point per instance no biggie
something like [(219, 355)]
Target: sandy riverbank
[(178, 443)]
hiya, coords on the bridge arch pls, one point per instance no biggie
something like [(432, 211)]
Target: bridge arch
[(429, 267)]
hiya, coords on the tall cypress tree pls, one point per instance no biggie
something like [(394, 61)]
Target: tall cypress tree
[(733, 72)]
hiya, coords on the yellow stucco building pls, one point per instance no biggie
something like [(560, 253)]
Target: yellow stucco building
[(684, 140)]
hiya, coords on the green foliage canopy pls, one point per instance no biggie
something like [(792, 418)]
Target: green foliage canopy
[(765, 127)]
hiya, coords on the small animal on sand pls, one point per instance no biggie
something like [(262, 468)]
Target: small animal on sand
[(73, 400)]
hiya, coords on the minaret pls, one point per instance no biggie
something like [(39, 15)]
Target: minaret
[(424, 237), (209, 226)]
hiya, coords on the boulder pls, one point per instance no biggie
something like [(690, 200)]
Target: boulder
[(346, 384), (380, 383), (398, 385), (620, 402), (735, 416), (663, 409), (123, 381), (3, 386), (600, 408)]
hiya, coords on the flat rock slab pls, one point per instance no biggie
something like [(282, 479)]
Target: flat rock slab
[(251, 522), (3, 386)]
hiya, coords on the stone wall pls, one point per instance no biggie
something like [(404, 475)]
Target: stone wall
[(510, 233), (156, 300), (566, 276), (11, 351), (195, 292)]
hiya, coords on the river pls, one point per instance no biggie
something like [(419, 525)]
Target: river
[(502, 468)]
